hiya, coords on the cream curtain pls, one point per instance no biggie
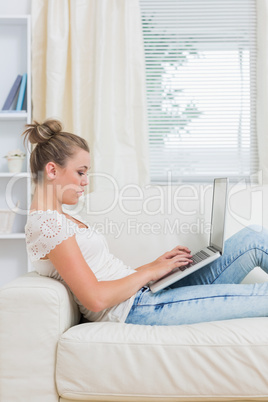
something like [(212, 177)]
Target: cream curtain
[(262, 88), (88, 71)]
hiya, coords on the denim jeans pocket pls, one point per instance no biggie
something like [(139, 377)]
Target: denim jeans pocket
[(141, 294)]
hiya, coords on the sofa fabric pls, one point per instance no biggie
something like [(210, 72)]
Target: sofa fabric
[(203, 360), (47, 355), (34, 312)]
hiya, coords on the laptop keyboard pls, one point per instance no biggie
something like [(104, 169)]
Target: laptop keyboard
[(200, 256)]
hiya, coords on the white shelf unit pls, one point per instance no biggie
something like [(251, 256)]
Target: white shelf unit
[(14, 115), (15, 47), (22, 174), (12, 236)]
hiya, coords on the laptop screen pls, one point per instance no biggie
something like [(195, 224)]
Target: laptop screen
[(218, 213)]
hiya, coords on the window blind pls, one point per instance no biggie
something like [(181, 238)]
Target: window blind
[(200, 58)]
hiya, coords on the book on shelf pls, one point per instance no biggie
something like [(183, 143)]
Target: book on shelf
[(12, 93), (22, 92)]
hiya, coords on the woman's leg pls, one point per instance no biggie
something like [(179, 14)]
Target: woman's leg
[(194, 304), (194, 300), (243, 252)]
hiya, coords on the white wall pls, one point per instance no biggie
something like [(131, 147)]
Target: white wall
[(12, 7)]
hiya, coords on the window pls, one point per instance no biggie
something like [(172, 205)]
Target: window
[(200, 60)]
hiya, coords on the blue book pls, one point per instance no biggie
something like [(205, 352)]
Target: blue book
[(12, 93), (22, 92)]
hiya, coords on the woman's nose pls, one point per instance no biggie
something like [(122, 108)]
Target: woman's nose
[(85, 180)]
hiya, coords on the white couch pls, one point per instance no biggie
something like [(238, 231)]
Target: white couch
[(47, 355)]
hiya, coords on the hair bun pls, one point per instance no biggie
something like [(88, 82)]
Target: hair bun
[(40, 133)]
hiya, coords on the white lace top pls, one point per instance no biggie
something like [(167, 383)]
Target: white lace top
[(46, 229)]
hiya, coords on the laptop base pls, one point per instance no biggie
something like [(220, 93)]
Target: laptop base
[(177, 273)]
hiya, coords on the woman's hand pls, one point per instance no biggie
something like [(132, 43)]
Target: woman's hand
[(178, 257)]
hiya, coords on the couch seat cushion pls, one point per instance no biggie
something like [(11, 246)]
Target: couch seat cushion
[(110, 361)]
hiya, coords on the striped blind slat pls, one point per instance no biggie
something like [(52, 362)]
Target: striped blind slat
[(200, 58)]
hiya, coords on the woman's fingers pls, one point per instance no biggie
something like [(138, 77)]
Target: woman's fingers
[(178, 252), (182, 260), (181, 248)]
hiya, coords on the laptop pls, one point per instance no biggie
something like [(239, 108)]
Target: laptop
[(216, 241)]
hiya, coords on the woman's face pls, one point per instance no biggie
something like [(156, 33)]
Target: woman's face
[(71, 180)]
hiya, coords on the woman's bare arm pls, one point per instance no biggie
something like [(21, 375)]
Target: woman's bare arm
[(96, 296)]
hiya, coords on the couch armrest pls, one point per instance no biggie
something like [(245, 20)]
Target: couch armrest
[(34, 312)]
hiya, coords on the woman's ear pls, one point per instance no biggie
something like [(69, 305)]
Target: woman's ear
[(51, 170)]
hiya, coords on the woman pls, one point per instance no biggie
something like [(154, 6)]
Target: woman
[(105, 288)]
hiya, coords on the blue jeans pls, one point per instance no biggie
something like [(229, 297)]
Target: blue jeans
[(213, 292)]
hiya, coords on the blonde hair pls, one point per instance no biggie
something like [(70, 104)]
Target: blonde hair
[(52, 145)]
